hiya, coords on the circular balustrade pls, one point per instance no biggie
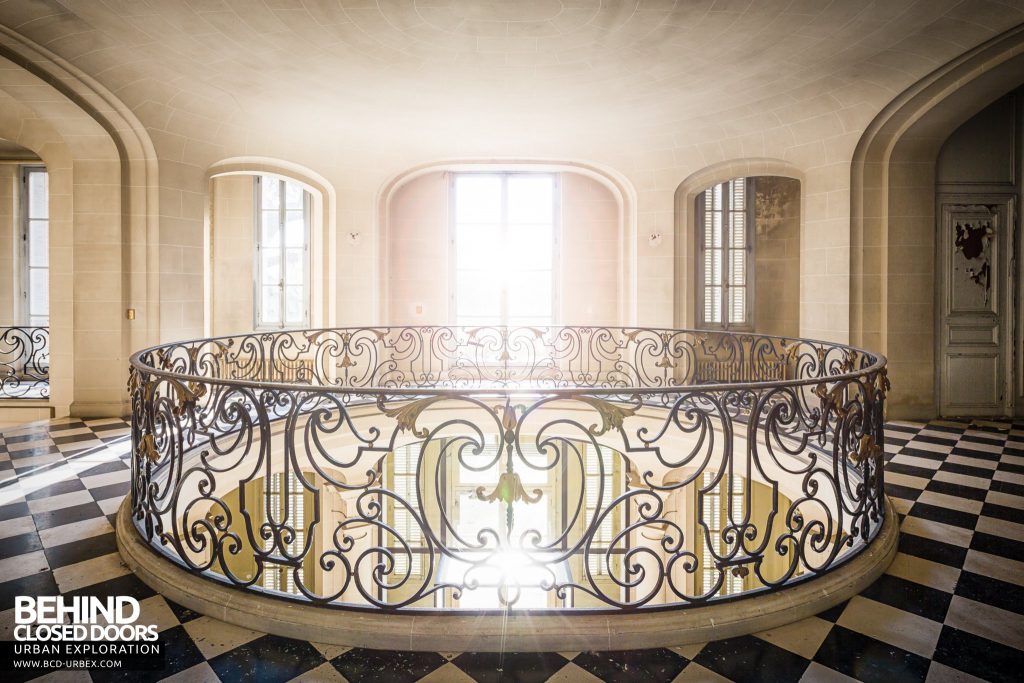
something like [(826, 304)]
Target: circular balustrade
[(539, 488)]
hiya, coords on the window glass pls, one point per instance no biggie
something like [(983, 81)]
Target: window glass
[(478, 199), (504, 235), (283, 253), (36, 245), (726, 262)]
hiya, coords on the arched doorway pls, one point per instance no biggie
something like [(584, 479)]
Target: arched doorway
[(977, 234), (894, 215)]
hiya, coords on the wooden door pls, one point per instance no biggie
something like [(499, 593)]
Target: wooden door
[(975, 323)]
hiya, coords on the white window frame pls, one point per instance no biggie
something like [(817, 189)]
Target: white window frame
[(26, 314), (257, 301), (556, 229), (747, 325)]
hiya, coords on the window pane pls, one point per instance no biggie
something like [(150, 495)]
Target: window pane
[(294, 309), (293, 195), (530, 199), (530, 247), (478, 199), (478, 294), (475, 469), (713, 305), (38, 291), (737, 230), (270, 192), (295, 271), (531, 472), (713, 266), (737, 195), (529, 516), (727, 253), (271, 267), (478, 245), (709, 227), (294, 229), (479, 321), (715, 238), (529, 298), (38, 244), (271, 228), (38, 206), (737, 304), (737, 267), (270, 308), (504, 240), (475, 515)]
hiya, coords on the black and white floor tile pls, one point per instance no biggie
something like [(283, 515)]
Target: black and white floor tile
[(950, 608)]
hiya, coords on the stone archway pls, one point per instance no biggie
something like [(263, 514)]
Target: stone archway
[(892, 307), (104, 251)]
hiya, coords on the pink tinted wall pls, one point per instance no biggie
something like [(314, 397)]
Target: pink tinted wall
[(589, 271), (591, 253)]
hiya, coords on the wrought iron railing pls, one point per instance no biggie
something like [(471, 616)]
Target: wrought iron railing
[(573, 467), (24, 362)]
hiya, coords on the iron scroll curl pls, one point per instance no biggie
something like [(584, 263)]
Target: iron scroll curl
[(673, 467)]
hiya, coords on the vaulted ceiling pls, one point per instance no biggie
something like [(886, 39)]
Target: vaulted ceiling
[(383, 74)]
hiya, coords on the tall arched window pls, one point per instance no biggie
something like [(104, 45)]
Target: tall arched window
[(725, 260), (282, 253)]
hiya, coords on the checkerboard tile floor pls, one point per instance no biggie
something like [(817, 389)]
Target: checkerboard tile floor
[(950, 608)]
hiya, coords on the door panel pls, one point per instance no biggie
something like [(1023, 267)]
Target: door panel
[(976, 379), (973, 272)]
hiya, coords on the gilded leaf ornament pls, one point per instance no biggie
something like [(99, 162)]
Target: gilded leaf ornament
[(407, 414), (613, 415), (147, 448), (509, 490), (867, 449)]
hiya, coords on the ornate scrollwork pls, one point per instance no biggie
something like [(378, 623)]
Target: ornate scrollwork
[(24, 362), (672, 466)]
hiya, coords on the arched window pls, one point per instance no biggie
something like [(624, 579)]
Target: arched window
[(725, 259), (282, 253)]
